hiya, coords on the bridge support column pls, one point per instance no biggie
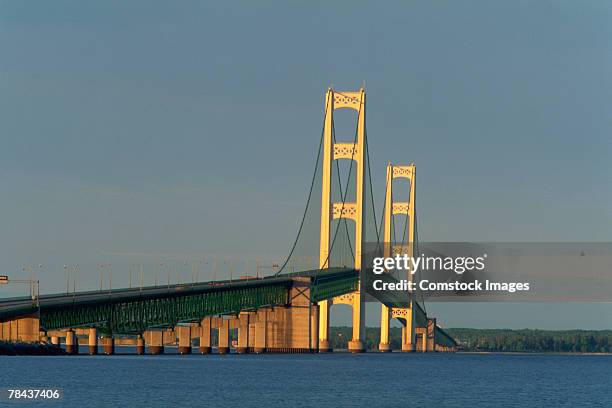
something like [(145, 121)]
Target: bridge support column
[(261, 331), (243, 333), (155, 340), (92, 341), (169, 337), (290, 326), (252, 321), (324, 346), (407, 339), (224, 338), (205, 327), (184, 339), (5, 330), (108, 345), (140, 345), (31, 331), (385, 316), (431, 334), (72, 346), (356, 345), (423, 340), (25, 329), (276, 330), (421, 336), (314, 328)]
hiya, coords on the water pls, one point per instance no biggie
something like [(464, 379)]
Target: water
[(331, 380)]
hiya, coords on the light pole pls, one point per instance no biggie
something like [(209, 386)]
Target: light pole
[(33, 281), (34, 285), (101, 268), (71, 270)]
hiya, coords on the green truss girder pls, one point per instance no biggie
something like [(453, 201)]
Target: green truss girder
[(331, 288), (138, 315), (135, 316)]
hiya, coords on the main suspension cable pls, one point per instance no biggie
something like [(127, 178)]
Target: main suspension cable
[(383, 220), (343, 195), (314, 175), (371, 185)]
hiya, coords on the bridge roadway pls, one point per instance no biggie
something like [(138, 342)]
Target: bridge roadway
[(135, 310)]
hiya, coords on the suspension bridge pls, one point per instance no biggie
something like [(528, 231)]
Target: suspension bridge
[(285, 312)]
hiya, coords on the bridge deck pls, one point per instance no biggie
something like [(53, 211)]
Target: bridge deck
[(169, 304)]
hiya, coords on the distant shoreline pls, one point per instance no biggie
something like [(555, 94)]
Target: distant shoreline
[(531, 353), (533, 340), (526, 341)]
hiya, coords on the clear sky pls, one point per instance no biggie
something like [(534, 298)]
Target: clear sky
[(134, 131)]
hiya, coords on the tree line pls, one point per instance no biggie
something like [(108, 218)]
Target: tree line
[(528, 340), (496, 340)]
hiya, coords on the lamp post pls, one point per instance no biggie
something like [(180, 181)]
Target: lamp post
[(34, 285)]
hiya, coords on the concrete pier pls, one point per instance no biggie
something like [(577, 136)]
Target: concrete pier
[(251, 342), (205, 331), (108, 345), (140, 345), (72, 346), (384, 347), (184, 339), (92, 341), (431, 334), (324, 346), (25, 329), (261, 331), (169, 337), (224, 338), (314, 327), (243, 333), (155, 340), (407, 340), (356, 345), (420, 339), (290, 327), (385, 316)]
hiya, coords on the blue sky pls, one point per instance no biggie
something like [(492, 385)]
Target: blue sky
[(137, 131)]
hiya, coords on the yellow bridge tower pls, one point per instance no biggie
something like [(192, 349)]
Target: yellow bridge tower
[(406, 314), (355, 151)]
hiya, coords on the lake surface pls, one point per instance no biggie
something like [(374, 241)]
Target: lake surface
[(330, 380)]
